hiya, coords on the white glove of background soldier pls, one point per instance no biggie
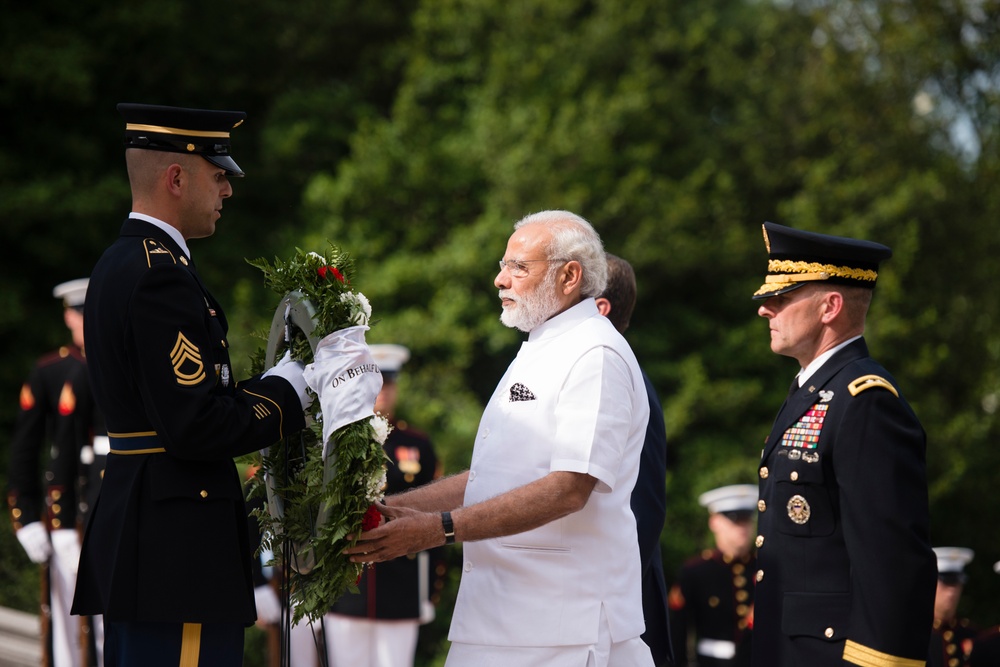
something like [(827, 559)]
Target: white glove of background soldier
[(35, 540)]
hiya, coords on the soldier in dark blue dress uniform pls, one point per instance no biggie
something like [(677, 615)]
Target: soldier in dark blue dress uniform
[(712, 599), (378, 627), (166, 556), (57, 423), (952, 637), (845, 573)]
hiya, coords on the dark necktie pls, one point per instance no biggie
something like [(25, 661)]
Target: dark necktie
[(792, 388)]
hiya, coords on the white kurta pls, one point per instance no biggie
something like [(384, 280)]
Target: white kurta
[(585, 411)]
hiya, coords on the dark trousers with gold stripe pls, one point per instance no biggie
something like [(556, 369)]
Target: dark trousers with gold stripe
[(144, 644)]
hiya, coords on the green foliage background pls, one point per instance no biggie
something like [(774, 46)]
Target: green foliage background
[(413, 134)]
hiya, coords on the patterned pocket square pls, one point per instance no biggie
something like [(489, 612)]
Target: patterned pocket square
[(519, 392)]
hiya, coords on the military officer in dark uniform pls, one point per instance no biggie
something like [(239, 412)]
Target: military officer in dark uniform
[(712, 600), (57, 422), (378, 627), (845, 569), (166, 556), (952, 637)]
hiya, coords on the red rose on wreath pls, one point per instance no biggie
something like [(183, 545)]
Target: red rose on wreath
[(371, 519), (327, 272)]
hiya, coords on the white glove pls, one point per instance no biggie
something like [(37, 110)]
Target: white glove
[(268, 606), (66, 549), (35, 540), (292, 371)]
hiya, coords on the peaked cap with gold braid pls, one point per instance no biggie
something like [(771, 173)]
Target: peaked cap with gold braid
[(798, 257), (201, 132)]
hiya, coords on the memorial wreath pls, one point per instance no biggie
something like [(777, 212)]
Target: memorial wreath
[(321, 484)]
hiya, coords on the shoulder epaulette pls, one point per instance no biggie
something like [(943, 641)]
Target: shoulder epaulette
[(869, 381), (156, 253)]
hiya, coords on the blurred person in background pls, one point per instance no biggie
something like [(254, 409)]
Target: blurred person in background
[(986, 646), (649, 498), (378, 627), (952, 637), (59, 424), (711, 603)]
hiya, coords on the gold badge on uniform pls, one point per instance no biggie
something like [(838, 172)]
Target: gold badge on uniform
[(408, 460), (798, 509), (186, 360)]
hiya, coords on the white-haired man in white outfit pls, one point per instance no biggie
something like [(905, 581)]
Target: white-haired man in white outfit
[(551, 572)]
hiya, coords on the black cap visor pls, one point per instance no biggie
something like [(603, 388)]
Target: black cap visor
[(225, 162)]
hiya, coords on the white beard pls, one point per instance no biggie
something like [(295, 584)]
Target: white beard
[(530, 310)]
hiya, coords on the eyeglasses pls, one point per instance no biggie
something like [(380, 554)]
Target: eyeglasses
[(517, 267)]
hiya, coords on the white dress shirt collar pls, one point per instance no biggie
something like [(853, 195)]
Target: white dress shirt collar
[(168, 228), (818, 362)]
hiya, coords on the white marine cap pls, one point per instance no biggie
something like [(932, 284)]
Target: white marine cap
[(389, 358), (734, 498), (72, 292), (952, 559)]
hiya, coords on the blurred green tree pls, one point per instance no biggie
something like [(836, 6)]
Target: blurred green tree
[(415, 134)]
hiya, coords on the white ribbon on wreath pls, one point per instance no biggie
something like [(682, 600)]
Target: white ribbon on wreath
[(345, 378)]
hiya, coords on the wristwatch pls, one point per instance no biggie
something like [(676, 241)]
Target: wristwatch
[(449, 528)]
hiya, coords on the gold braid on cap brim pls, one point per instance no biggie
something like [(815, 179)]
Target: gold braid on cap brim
[(783, 273)]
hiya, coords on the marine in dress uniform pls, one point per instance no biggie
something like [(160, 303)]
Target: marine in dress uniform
[(57, 422), (952, 637), (712, 600), (166, 556), (378, 626), (845, 569)]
